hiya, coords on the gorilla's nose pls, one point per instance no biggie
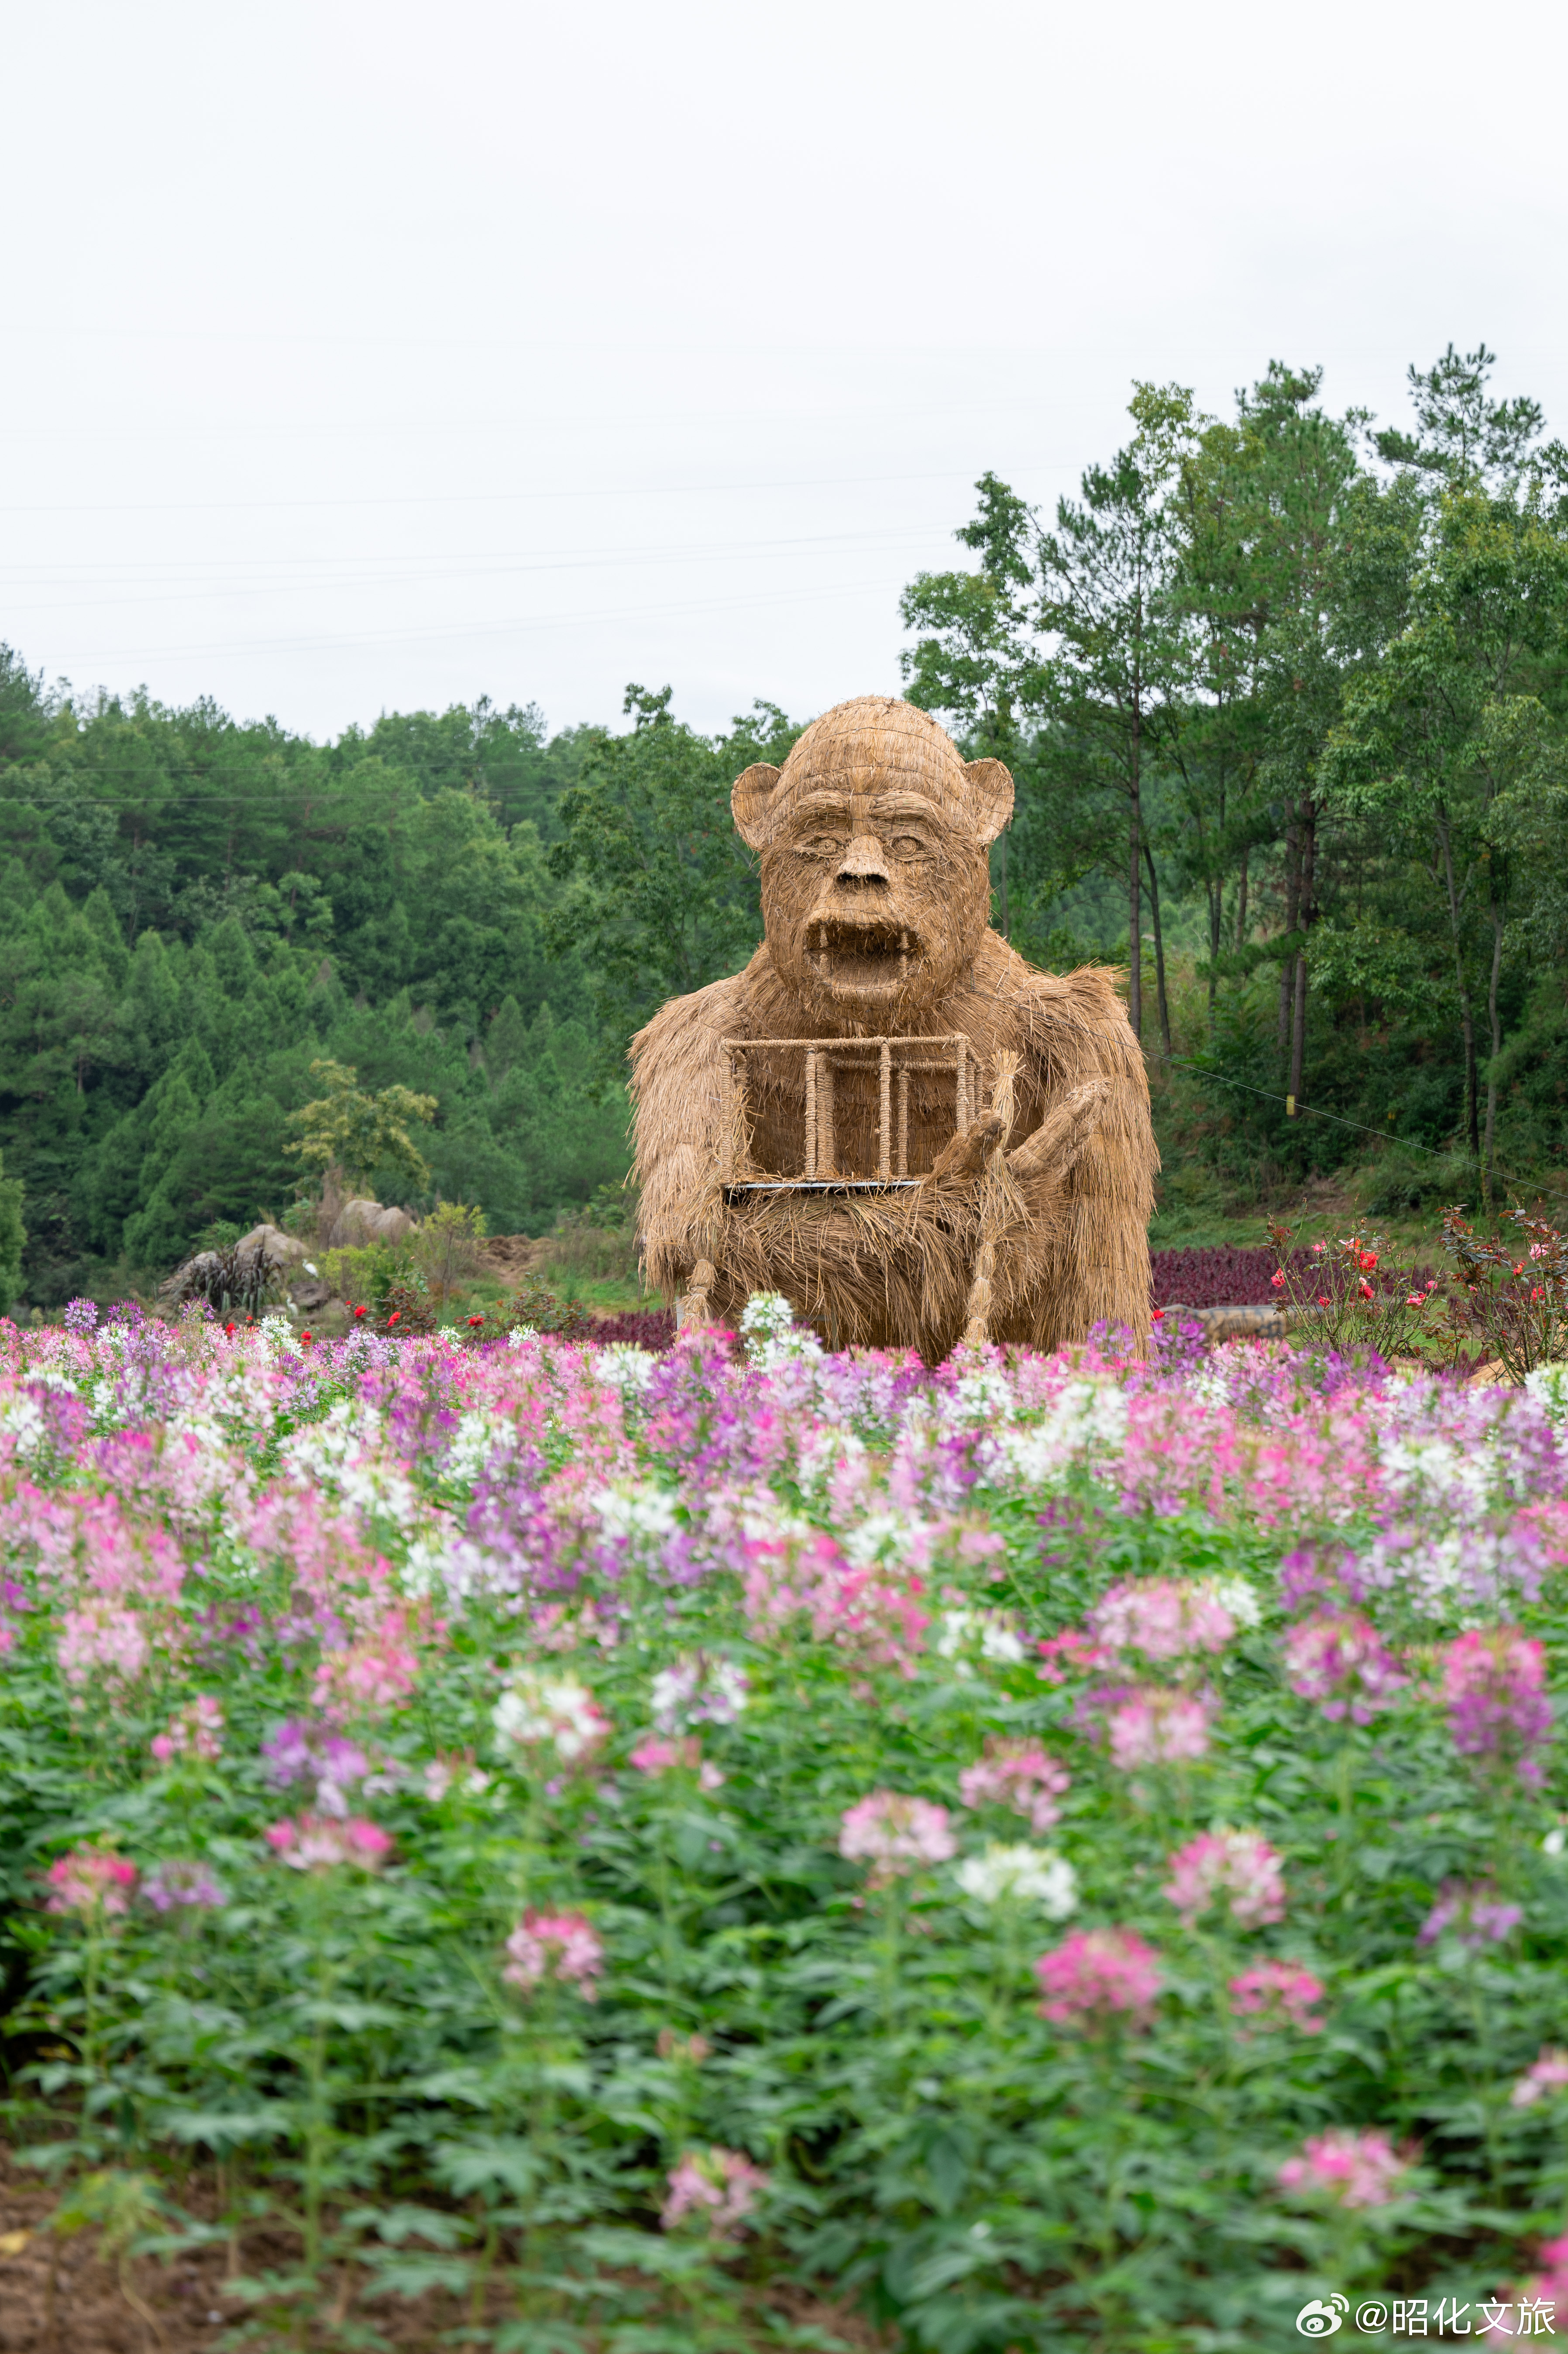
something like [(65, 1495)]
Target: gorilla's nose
[(863, 866)]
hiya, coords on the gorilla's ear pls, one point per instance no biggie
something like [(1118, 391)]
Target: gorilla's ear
[(748, 800), (989, 797)]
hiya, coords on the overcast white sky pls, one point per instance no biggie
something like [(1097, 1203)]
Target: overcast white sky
[(374, 356)]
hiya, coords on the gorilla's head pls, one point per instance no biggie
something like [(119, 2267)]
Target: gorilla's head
[(875, 881)]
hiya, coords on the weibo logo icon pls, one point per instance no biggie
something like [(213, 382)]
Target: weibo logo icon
[(1321, 2318)]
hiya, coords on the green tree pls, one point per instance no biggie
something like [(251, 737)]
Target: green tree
[(1447, 743), (978, 662), (1119, 653), (662, 894), (359, 1133), (13, 1240)]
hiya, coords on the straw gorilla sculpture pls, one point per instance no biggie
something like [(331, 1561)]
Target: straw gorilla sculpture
[(889, 1116)]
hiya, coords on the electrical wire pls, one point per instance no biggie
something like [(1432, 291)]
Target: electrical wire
[(1310, 1111)]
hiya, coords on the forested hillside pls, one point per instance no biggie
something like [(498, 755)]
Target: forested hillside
[(192, 910), (1286, 698)]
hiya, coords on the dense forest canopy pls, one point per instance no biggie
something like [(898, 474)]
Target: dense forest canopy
[(1284, 699)]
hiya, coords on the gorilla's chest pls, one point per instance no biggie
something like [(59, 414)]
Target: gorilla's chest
[(863, 1108)]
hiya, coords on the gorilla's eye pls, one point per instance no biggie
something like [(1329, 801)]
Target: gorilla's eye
[(820, 845), (910, 845)]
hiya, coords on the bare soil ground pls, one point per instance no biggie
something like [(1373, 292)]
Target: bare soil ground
[(62, 2296)]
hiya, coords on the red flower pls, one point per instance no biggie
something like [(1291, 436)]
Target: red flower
[(1157, 1313), (1365, 1290), (479, 1320), (392, 1317), (304, 1336), (361, 1311), (1322, 1299), (229, 1330)]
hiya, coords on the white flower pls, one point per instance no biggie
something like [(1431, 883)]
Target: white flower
[(1236, 1597), (992, 1633), (1032, 1875), (1085, 1423), (771, 1335), (1554, 1843), (538, 1711), (1548, 1384), (641, 1512), (701, 1690), (625, 1368), (474, 1442)]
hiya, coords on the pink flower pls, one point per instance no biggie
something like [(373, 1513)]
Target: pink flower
[(1162, 1617), (1095, 1973), (1544, 2076), (318, 1842), (1355, 2169), (1019, 1776), (562, 1941), (1277, 1993), (722, 2186), (1337, 1660), (1156, 1727), (1071, 1654), (91, 1881), (861, 1611), (193, 1731), (103, 1641), (894, 1834), (1494, 1683), (655, 1756), (1237, 1865), (376, 1672), (1549, 2287)]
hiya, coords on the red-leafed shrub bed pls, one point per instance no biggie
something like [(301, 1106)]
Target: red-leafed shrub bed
[(1221, 1276), (640, 1328)]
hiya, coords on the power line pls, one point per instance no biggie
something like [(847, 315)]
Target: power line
[(502, 498), (1310, 1111)]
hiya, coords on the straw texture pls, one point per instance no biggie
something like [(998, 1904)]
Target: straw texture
[(1033, 1135)]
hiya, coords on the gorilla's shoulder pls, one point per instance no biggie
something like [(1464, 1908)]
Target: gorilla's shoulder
[(1085, 994), (698, 1020)]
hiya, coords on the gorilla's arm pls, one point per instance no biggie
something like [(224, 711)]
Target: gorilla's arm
[(1085, 1175), (687, 1112)]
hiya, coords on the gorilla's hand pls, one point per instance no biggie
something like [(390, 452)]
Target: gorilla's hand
[(967, 1155), (1063, 1135)]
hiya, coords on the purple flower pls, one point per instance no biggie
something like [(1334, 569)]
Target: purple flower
[(1493, 1680), (1338, 1660), (80, 1316), (1472, 1914), (1311, 1573), (183, 1881), (297, 1751)]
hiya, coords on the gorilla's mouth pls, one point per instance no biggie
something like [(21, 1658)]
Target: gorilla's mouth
[(850, 955)]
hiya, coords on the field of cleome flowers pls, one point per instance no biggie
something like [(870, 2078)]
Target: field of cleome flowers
[(605, 1853)]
